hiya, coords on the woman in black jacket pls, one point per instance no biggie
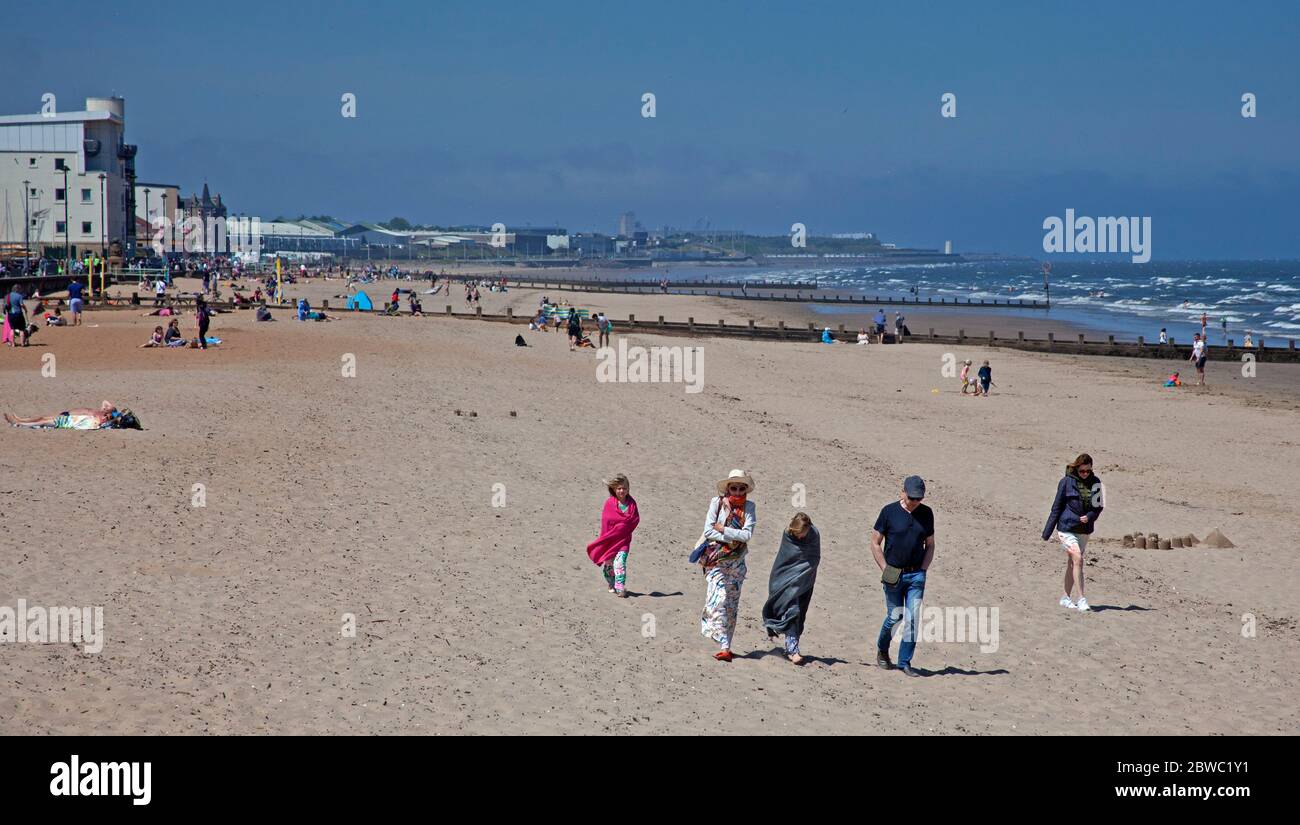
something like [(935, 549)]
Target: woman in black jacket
[(1074, 513)]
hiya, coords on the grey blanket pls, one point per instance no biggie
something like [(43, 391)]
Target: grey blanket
[(790, 587)]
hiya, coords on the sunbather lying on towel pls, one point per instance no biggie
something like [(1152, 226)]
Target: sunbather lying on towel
[(107, 417)]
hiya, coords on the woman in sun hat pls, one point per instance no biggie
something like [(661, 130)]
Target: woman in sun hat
[(728, 528)]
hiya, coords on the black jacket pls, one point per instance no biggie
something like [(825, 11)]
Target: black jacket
[(1068, 507)]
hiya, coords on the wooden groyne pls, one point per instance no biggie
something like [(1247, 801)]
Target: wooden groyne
[(1076, 344), (775, 292)]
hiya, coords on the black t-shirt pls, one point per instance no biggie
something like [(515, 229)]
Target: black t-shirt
[(905, 533)]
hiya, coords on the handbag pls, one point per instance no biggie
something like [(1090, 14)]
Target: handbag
[(699, 550), (890, 575)]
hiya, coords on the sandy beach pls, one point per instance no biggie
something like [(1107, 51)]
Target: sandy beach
[(328, 495)]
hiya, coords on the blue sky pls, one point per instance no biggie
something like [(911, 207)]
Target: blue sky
[(767, 113)]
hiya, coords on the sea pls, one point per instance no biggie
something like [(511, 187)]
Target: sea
[(1120, 298)]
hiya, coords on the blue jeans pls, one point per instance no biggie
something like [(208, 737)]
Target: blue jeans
[(903, 600)]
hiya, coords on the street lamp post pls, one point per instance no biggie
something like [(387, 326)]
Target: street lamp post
[(148, 216), (67, 246), (27, 227), (166, 220), (103, 217)]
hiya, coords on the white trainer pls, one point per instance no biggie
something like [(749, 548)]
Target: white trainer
[(1065, 602), (1082, 605)]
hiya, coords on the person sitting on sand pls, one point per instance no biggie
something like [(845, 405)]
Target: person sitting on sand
[(827, 337), (416, 309), (155, 340), (790, 587), (728, 527), (172, 337), (55, 318), (79, 419), (1173, 380), (1078, 504), (264, 314), (863, 338), (617, 522)]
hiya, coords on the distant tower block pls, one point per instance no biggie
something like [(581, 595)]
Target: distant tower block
[(947, 247)]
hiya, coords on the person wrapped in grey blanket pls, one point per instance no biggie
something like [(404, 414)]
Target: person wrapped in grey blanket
[(790, 587)]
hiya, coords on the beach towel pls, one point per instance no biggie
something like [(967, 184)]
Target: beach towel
[(615, 531), (68, 421), (791, 584)]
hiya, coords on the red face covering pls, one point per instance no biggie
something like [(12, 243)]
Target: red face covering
[(736, 502)]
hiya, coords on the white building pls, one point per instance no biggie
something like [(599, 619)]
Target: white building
[(155, 201), (90, 210)]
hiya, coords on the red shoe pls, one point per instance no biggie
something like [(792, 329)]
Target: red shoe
[(723, 656)]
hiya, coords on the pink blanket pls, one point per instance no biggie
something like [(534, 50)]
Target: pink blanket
[(615, 531), (8, 333)]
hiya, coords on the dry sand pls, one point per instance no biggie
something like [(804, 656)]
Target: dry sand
[(328, 495)]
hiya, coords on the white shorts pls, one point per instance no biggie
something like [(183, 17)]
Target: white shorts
[(1073, 541)]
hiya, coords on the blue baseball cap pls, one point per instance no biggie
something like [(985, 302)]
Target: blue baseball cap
[(914, 487)]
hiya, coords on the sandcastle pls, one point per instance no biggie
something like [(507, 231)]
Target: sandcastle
[(1152, 541)]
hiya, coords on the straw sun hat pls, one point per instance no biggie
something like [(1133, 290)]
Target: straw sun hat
[(734, 477)]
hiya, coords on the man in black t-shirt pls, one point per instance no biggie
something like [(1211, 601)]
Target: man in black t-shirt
[(906, 530)]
